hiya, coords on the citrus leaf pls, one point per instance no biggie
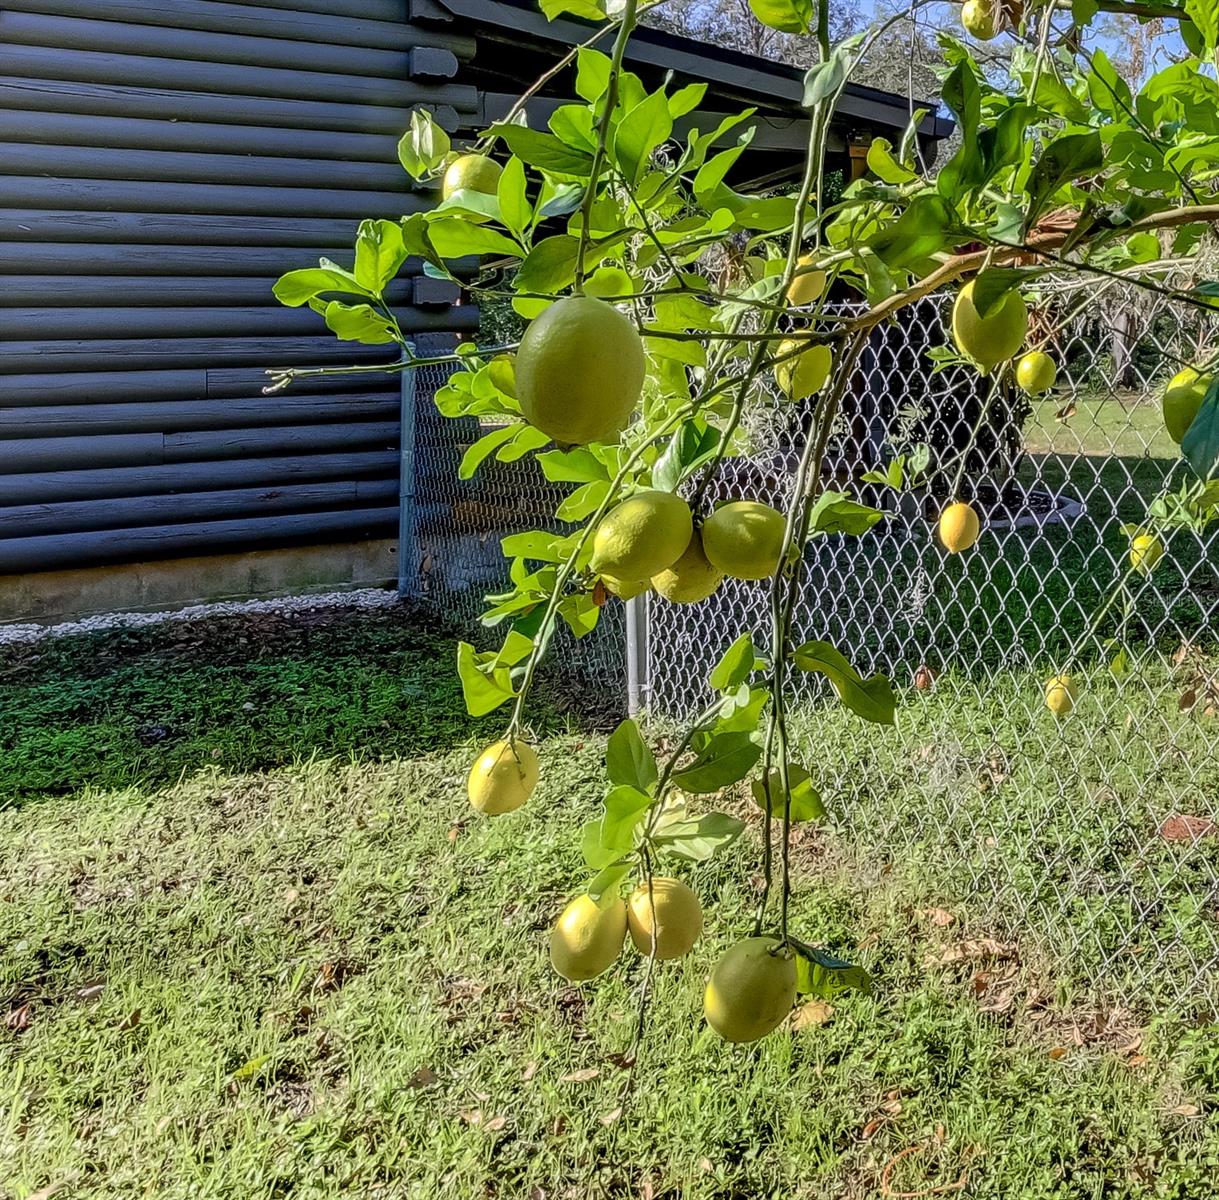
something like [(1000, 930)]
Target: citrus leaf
[(550, 266), (736, 665), (483, 685), (787, 16), (629, 759), (819, 973), (726, 759), (870, 698), (835, 512), (697, 838), (543, 150), (1201, 442), (607, 881), (298, 287), (624, 809)]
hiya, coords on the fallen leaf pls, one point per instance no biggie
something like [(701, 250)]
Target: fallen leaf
[(610, 1117), (583, 1076), (496, 1124), (1137, 1060), (939, 916), (1187, 699), (1058, 1052), (969, 950), (1186, 1110), (91, 992), (1182, 828), (531, 1069), (424, 1077), (46, 1193), (19, 1019), (811, 1014), (869, 1130), (471, 1116), (131, 1020)]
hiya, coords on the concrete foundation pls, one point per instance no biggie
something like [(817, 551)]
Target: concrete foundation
[(50, 597)]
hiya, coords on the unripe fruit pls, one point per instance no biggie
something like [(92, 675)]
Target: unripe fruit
[(744, 539), (587, 938), (992, 339), (804, 374), (1145, 551), (751, 990), (580, 371), (1036, 373), (1182, 399), (1060, 695), (624, 589), (646, 534), (808, 285), (691, 578), (471, 173), (959, 527), (679, 917), (982, 19), (503, 777)]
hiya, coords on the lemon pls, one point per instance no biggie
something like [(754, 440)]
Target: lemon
[(1036, 373), (751, 989), (982, 19), (1060, 695), (959, 527), (678, 917), (471, 173), (744, 539), (993, 339), (587, 939), (503, 777), (804, 374), (691, 578), (1182, 399), (644, 535), (808, 285), (579, 371), (625, 589), (1145, 551)]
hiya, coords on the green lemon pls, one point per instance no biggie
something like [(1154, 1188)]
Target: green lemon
[(644, 535), (744, 539), (751, 990), (1145, 551), (691, 578), (807, 285), (471, 173), (982, 19), (1036, 373), (804, 374), (1182, 400), (992, 339)]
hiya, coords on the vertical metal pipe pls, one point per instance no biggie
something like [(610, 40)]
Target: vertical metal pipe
[(637, 683), (408, 553)]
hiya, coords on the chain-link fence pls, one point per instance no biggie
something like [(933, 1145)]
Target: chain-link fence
[(1092, 843)]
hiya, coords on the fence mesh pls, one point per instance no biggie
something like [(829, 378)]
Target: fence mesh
[(1092, 842)]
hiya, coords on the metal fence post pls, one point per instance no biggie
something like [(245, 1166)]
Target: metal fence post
[(637, 682), (408, 553)]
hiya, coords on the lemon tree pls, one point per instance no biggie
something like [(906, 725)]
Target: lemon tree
[(647, 343)]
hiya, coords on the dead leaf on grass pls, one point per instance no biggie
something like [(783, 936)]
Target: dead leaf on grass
[(531, 1069), (1186, 1110), (496, 1124), (583, 1076), (91, 992), (610, 1117), (130, 1021), (424, 1077), (1183, 828), (938, 916), (19, 1019), (810, 1015), (1059, 1052), (52, 1189), (971, 950)]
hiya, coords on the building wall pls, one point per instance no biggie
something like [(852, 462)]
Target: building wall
[(161, 163)]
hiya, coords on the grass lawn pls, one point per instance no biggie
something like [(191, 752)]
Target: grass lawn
[(253, 943)]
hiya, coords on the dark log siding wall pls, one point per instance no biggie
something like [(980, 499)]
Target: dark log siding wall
[(161, 163)]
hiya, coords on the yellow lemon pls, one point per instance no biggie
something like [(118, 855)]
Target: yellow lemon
[(691, 578), (751, 990), (646, 534), (744, 539), (1182, 399), (587, 938), (982, 19), (503, 777), (1036, 373), (471, 173), (808, 284), (806, 373), (1145, 551), (678, 917), (1060, 695), (625, 589), (580, 371), (959, 527), (993, 339)]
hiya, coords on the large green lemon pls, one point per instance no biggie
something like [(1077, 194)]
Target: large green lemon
[(751, 989), (1182, 399), (982, 19), (993, 339), (644, 535), (672, 910), (503, 777), (808, 284), (579, 371), (744, 539), (691, 578), (471, 173), (805, 373), (587, 939)]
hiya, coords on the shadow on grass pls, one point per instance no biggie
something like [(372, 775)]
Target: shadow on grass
[(241, 693)]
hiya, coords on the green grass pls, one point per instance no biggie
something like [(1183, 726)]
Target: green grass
[(252, 974)]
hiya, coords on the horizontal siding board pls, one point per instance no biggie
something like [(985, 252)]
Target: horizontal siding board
[(239, 49), (95, 483), (204, 199), (373, 10), (76, 132), (110, 291), (167, 166), (74, 420), (40, 225), (26, 455), (174, 104), (91, 66), (78, 516), (134, 545), (331, 27)]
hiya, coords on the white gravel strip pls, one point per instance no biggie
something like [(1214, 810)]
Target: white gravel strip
[(364, 598)]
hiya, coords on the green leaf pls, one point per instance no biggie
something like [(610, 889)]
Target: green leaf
[(924, 229), (686, 99), (739, 661), (629, 759), (822, 81), (726, 759), (550, 266), (1065, 159), (870, 698), (299, 287), (640, 132), (1201, 442), (994, 285), (424, 146), (584, 501), (884, 166), (787, 16), (543, 150), (454, 237), (624, 809), (820, 974), (514, 208), (592, 74), (484, 685), (835, 512), (572, 466), (1205, 16), (355, 322), (595, 854), (574, 125), (380, 253), (539, 545), (696, 839), (482, 449), (590, 10), (692, 444), (806, 803), (580, 613), (607, 881)]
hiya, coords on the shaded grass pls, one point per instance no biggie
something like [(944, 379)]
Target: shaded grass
[(330, 979)]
